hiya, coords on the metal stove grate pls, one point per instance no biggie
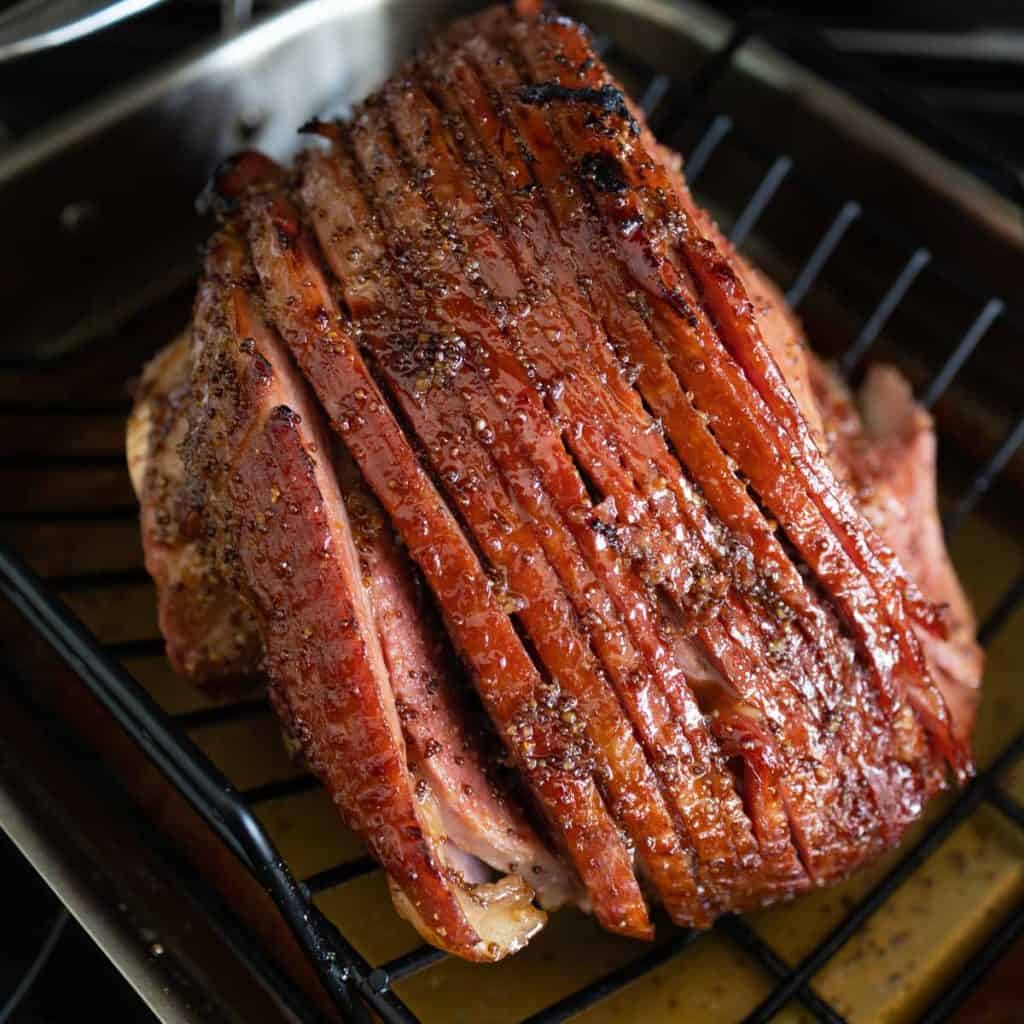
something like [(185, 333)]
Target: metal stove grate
[(353, 982)]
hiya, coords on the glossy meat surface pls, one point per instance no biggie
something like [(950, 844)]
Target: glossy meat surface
[(258, 466), (447, 744), (590, 510)]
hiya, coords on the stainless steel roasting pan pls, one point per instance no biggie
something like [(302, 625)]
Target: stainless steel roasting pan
[(99, 261)]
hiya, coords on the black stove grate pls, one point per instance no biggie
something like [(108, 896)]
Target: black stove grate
[(357, 985)]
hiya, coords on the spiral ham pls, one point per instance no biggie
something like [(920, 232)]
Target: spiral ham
[(574, 576)]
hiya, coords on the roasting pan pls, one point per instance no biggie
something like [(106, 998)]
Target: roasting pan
[(185, 808)]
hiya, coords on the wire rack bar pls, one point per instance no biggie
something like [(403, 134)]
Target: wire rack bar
[(97, 773), (613, 981), (744, 936), (278, 789), (827, 244), (713, 136), (655, 92), (339, 874), (39, 962), (885, 229), (977, 966), (919, 259), (222, 714), (386, 1004), (700, 84), (407, 964), (984, 480), (991, 311), (970, 799), (763, 194), (999, 615)]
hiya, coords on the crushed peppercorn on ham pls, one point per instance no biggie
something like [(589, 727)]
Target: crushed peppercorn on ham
[(574, 576)]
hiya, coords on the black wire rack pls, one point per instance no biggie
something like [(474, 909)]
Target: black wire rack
[(358, 986)]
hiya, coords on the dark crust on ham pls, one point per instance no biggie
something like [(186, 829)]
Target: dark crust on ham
[(212, 638), (580, 447)]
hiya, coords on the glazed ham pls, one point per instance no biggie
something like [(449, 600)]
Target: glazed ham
[(573, 575)]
